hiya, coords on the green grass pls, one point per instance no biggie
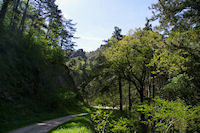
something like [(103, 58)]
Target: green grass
[(75, 125)]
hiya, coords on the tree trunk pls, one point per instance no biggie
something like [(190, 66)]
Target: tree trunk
[(14, 16), (49, 29), (129, 96), (141, 95), (153, 95), (24, 17), (154, 88), (16, 5), (120, 92), (144, 127), (4, 10), (149, 87)]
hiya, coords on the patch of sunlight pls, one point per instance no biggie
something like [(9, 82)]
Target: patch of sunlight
[(73, 130)]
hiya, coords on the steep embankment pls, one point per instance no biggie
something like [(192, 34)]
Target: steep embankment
[(35, 84)]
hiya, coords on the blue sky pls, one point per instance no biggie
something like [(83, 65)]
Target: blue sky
[(96, 19)]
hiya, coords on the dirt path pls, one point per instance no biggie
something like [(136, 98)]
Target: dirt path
[(99, 107), (46, 126)]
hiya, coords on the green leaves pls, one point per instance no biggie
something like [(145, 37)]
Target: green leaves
[(120, 125), (169, 62), (176, 14), (133, 51), (101, 120), (104, 121), (169, 114)]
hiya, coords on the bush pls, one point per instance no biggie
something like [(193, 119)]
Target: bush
[(166, 116), (108, 121)]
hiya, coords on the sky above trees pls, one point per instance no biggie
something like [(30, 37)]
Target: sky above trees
[(96, 19)]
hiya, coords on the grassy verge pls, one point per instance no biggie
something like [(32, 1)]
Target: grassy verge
[(75, 125), (19, 117)]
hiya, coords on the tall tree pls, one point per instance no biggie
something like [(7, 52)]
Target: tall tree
[(15, 13), (24, 16), (129, 96), (4, 10), (181, 21), (117, 35), (177, 14), (130, 57), (148, 26)]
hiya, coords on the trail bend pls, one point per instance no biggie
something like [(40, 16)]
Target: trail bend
[(46, 126)]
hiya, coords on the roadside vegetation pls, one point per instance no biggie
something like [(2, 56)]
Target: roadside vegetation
[(76, 125)]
